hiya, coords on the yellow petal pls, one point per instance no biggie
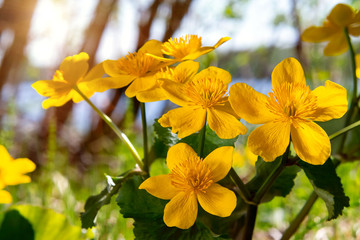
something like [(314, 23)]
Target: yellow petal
[(83, 86), (270, 140), (57, 101), (185, 71), (317, 34), (176, 93), (311, 142), (153, 47), (357, 65), (354, 28), (13, 173), (290, 71), (140, 84), (74, 67), (341, 15), (221, 41), (214, 73), (152, 95), (48, 88), (337, 45), (103, 84), (331, 101), (5, 157), (160, 187), (185, 120), (225, 125), (179, 153), (181, 211), (250, 104), (219, 161), (96, 72), (217, 200), (112, 69), (5, 197)]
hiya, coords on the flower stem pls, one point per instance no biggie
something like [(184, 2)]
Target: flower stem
[(113, 126), (272, 177), (344, 130), (250, 220), (244, 192), (145, 137), (202, 140), (294, 225)]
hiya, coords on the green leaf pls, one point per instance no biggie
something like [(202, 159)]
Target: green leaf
[(46, 223), (12, 222), (282, 185), (147, 211), (95, 202), (327, 185)]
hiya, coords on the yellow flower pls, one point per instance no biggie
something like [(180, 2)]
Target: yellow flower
[(341, 16), (289, 111), (12, 173), (136, 69), (72, 72), (182, 73), (202, 99), (357, 60), (186, 48), (191, 180)]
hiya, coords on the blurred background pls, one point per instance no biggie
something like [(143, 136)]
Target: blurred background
[(73, 149)]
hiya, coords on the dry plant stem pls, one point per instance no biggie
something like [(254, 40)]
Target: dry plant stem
[(145, 137), (116, 130), (293, 227)]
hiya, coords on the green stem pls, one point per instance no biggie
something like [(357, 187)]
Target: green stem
[(353, 103), (272, 177), (250, 222), (202, 141), (294, 225), (344, 130), (145, 137), (113, 126), (244, 192)]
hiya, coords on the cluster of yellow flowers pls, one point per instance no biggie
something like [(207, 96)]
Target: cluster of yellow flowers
[(160, 71)]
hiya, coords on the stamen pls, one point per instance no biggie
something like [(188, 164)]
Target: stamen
[(181, 47), (137, 64), (191, 175)]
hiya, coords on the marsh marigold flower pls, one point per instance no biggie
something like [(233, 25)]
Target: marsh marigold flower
[(73, 72), (341, 16), (357, 60), (190, 181), (135, 69), (182, 73), (186, 48), (12, 173), (289, 111), (202, 99)]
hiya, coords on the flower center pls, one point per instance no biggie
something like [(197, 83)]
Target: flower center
[(136, 64), (191, 175), (206, 92), (181, 47), (292, 101)]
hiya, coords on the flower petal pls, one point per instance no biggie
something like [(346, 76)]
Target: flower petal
[(331, 101), (290, 71), (96, 72), (103, 84), (5, 197), (184, 120), (74, 67), (160, 187), (152, 95), (311, 143), (57, 101), (185, 71), (153, 47), (13, 173), (217, 200), (220, 162), (357, 59), (341, 15), (270, 140), (214, 73), (337, 45), (140, 84), (50, 88), (181, 211), (250, 104), (179, 153), (225, 125), (317, 34), (112, 69), (175, 92)]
